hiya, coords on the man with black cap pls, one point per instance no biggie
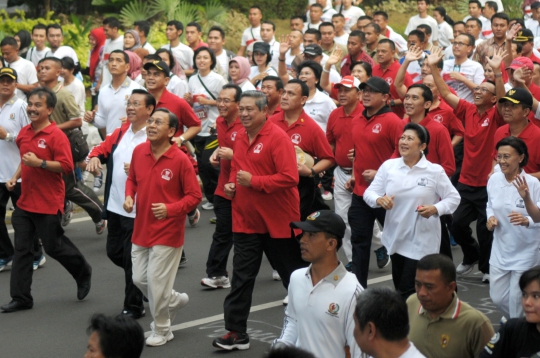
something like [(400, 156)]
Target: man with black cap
[(326, 286), (376, 132), (525, 37)]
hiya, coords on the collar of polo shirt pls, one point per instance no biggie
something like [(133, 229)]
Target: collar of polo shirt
[(334, 277)]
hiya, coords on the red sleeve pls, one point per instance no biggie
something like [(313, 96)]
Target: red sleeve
[(455, 126), (446, 152), (408, 80), (461, 110), (131, 182), (62, 153), (191, 190), (319, 145), (329, 130), (103, 149), (189, 118), (498, 118)]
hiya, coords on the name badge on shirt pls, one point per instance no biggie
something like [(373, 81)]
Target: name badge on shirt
[(42, 143), (296, 138), (520, 203), (422, 182), (166, 174), (12, 116), (258, 148), (377, 128)]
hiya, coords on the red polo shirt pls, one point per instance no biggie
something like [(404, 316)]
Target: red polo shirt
[(375, 140), (535, 91), (181, 109), (226, 136), (306, 134), (43, 191), (478, 142), (389, 75), (347, 61), (444, 114), (531, 137), (338, 132), (170, 180), (278, 110), (272, 201)]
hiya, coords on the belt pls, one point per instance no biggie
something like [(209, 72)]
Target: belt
[(347, 171)]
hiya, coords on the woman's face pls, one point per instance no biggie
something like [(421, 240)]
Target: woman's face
[(530, 300), (129, 40), (18, 41), (438, 17), (508, 158), (165, 58), (203, 61), (488, 73), (359, 72), (92, 40), (410, 145), (308, 76), (63, 72), (249, 56), (234, 70), (260, 59)]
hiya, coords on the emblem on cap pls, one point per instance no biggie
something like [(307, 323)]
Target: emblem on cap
[(314, 215), (511, 92)]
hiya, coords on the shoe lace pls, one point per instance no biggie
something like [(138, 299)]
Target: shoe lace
[(380, 253)]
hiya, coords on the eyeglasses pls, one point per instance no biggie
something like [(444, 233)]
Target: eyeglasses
[(483, 89), (224, 100), (457, 43), (158, 122), (133, 104)]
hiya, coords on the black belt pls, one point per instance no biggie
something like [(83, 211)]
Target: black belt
[(347, 171)]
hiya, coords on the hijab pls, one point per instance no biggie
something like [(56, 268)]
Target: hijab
[(135, 64), (99, 35), (135, 35), (245, 68)]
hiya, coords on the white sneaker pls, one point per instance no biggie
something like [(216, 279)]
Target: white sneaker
[(463, 269), (208, 206), (286, 300), (275, 276), (216, 282), (327, 195), (181, 300), (156, 339), (485, 278)]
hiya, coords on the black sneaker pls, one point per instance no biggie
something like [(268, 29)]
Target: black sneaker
[(232, 340), (382, 257)]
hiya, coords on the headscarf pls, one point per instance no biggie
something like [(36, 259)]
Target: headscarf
[(135, 35), (25, 38), (245, 68), (99, 35), (135, 64)]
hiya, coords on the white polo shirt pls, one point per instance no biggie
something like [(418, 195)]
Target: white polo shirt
[(319, 108), (428, 20), (79, 93), (34, 55), (274, 51), (177, 86), (470, 69), (110, 46), (342, 40), (405, 231), (64, 51), (412, 352), (121, 155), (251, 34), (207, 114), (26, 74), (12, 118), (351, 16), (320, 318), (112, 104), (151, 50), (514, 247), (183, 54)]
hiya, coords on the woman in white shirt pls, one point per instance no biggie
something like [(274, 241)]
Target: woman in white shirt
[(239, 70), (516, 238), (261, 58), (444, 22), (176, 85), (415, 192)]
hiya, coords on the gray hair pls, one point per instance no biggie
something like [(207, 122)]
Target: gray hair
[(261, 100)]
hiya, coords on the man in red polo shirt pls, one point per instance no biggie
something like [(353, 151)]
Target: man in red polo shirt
[(262, 185), (163, 184), (355, 46), (387, 68), (375, 133), (303, 132), (481, 119), (45, 155), (272, 87)]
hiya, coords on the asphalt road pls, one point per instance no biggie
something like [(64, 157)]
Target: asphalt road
[(56, 326)]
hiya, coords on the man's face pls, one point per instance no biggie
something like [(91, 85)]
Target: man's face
[(421, 6), (473, 29), (295, 38), (159, 131), (459, 29), (474, 10), (296, 24), (461, 46), (136, 108), (413, 40), (140, 32), (433, 293), (526, 48), (9, 53), (425, 69), (430, 83), (156, 79), (226, 104), (117, 64), (512, 112), (39, 36), (362, 337), (361, 24), (315, 14), (484, 94), (55, 37), (250, 115), (48, 71), (530, 300), (7, 87), (414, 102), (310, 39), (292, 98), (338, 23), (270, 91), (215, 41), (348, 96), (314, 246), (267, 32), (354, 45), (192, 35), (514, 51), (109, 31), (371, 36), (372, 98), (327, 33), (488, 12), (255, 17), (381, 21), (499, 27), (172, 33), (385, 54), (37, 108)]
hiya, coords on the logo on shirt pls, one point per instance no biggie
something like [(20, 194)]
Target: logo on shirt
[(12, 116), (438, 118), (258, 148), (42, 143), (422, 182), (485, 123), (444, 340), (333, 309), (377, 128), (296, 138), (389, 80), (166, 174), (520, 203), (313, 112), (233, 136), (127, 97)]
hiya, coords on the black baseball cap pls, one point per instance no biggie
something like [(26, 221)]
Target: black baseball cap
[(313, 50), (261, 47), (377, 84), (322, 221), (518, 96), (524, 35), (9, 72), (160, 65)]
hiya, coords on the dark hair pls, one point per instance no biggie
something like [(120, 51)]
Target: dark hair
[(499, 15), (390, 42), (143, 26), (327, 24), (153, 57), (458, 23), (39, 27), (365, 17), (316, 5), (338, 15), (269, 23), (212, 56), (361, 36), (381, 13), (303, 86), (478, 22), (365, 65), (24, 38), (421, 132), (218, 29), (149, 100), (119, 337), (9, 41), (172, 60), (196, 25), (177, 24), (531, 275), (112, 22), (442, 11), (173, 119), (518, 21), (315, 67), (386, 309), (471, 38), (426, 1), (69, 64), (261, 100), (256, 7), (428, 97), (56, 60), (285, 351), (438, 262), (50, 96), (315, 32), (477, 2), (296, 17), (425, 27), (519, 49), (421, 36), (277, 81), (518, 144), (55, 26), (493, 5), (375, 27), (238, 90), (126, 57)]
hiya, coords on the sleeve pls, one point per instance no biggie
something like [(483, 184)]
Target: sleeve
[(435, 31), (286, 169), (131, 182), (479, 75), (100, 119), (62, 153), (445, 151), (449, 195), (481, 337), (181, 88), (377, 188), (191, 190), (103, 149), (498, 346), (71, 108), (329, 130), (489, 205), (32, 74), (461, 110), (289, 333), (23, 120), (244, 38), (319, 146)]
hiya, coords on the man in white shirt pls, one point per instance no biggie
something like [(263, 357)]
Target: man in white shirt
[(328, 10), (252, 33), (55, 36), (114, 41), (423, 18), (351, 14), (341, 37), (39, 36), (315, 13), (458, 28), (296, 23), (381, 19), (26, 71), (143, 28), (216, 40), (268, 30), (182, 53), (475, 11), (322, 297), (382, 325), (534, 23)]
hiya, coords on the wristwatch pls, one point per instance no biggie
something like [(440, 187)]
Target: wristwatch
[(182, 139), (312, 173), (8, 138), (43, 164), (392, 103)]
